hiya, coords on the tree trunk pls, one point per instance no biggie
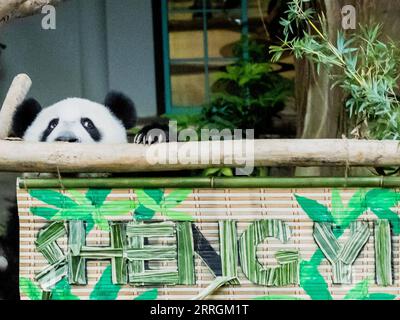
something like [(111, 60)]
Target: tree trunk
[(320, 107)]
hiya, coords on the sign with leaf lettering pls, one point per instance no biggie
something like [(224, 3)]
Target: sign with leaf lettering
[(262, 244)]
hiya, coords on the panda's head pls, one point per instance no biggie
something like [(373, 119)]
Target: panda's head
[(76, 120)]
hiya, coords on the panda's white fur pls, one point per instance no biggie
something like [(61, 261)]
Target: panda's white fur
[(31, 122), (69, 112)]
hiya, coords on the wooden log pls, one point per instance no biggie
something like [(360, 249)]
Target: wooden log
[(63, 157), (16, 94), (12, 9)]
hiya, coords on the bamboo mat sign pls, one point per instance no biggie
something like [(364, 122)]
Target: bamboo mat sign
[(261, 244)]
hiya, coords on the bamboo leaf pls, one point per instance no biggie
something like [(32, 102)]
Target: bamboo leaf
[(149, 253), (185, 253), (52, 252), (150, 230), (51, 275), (155, 277), (228, 248), (383, 253), (50, 234), (272, 276), (177, 216), (213, 287), (360, 234), (341, 256), (118, 264)]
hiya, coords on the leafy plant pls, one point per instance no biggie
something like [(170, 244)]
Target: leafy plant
[(363, 64), (248, 93)]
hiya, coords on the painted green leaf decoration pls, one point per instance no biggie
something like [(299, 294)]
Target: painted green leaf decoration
[(97, 196), (46, 213), (156, 194), (360, 291), (53, 198), (149, 206), (90, 207), (312, 281), (380, 201), (30, 289), (148, 295), (344, 216), (62, 291), (176, 197), (104, 288), (100, 221), (142, 213), (381, 297), (316, 211)]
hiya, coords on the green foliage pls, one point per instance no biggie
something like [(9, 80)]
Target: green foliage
[(244, 96), (90, 207), (247, 94), (363, 64)]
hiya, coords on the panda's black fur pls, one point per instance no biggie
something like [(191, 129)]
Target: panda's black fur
[(122, 108)]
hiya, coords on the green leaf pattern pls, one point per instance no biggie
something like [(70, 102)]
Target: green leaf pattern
[(93, 206)]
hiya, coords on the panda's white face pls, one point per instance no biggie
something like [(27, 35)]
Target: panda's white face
[(76, 120)]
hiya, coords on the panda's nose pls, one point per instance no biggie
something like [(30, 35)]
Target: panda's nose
[(67, 138)]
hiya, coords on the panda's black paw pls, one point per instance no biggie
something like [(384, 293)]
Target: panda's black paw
[(151, 134)]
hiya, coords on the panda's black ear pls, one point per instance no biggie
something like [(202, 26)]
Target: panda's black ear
[(122, 107), (24, 116)]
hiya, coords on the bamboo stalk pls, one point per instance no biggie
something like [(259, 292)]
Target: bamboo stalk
[(217, 182), (63, 157)]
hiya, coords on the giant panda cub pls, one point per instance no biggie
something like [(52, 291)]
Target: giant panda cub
[(72, 120), (76, 120)]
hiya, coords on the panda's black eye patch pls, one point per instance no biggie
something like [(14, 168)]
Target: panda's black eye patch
[(91, 129), (52, 125)]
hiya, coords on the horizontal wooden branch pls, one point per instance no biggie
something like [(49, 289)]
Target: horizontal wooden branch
[(16, 156), (12, 9)]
